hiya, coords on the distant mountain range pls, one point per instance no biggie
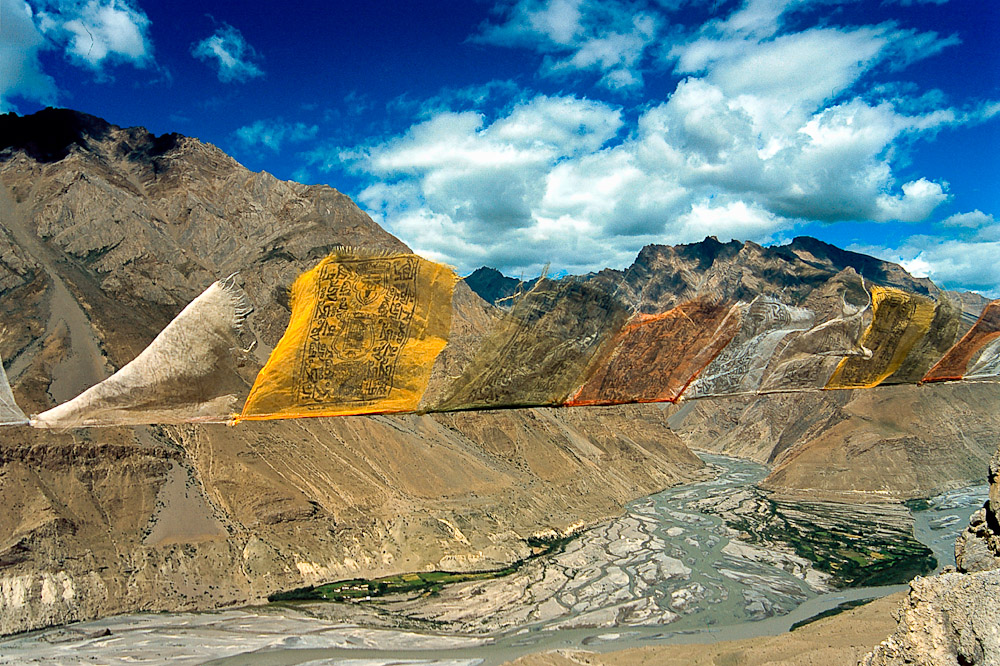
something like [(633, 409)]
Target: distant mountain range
[(711, 256)]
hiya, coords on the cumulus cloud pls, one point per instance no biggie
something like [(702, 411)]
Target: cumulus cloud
[(98, 31), (232, 56), (976, 219), (772, 128), (572, 176), (964, 259), (485, 178), (20, 44), (609, 38), (460, 187), (274, 132), (916, 203), (954, 263)]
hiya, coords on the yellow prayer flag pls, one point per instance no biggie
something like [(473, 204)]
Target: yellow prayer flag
[(362, 339), (899, 321)]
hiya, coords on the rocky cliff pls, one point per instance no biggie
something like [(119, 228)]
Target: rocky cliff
[(105, 234), (954, 619), (978, 548)]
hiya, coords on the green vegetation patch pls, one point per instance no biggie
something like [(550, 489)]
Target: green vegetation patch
[(429, 582), (424, 582), (856, 552)]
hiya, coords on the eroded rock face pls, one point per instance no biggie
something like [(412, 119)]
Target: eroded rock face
[(947, 620), (978, 548)]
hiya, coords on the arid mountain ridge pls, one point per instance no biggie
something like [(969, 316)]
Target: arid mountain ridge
[(836, 444), (108, 232), (742, 270)]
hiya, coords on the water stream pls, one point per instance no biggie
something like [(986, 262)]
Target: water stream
[(668, 570)]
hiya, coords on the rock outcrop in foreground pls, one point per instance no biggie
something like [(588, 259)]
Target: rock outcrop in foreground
[(947, 620), (954, 619), (978, 548)]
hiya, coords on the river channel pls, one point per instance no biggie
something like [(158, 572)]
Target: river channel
[(685, 565)]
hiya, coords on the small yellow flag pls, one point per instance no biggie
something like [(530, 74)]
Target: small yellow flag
[(363, 336)]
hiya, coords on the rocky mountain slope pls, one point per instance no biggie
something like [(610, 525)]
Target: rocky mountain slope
[(493, 286), (852, 445), (894, 441), (105, 234)]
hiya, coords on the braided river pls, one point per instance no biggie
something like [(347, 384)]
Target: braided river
[(678, 566)]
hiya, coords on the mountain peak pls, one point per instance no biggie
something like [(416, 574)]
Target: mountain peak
[(492, 285), (820, 254), (50, 134)]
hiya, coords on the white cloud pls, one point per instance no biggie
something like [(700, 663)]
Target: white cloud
[(953, 263), (976, 219), (832, 165), (746, 51), (569, 176), (756, 18), (20, 43), (459, 187), (964, 260), (909, 46), (803, 68), (773, 129), (93, 34), (610, 38), (916, 203), (99, 31), (234, 58), (807, 67), (272, 133), (732, 220)]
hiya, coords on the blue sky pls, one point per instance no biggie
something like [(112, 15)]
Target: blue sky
[(521, 133)]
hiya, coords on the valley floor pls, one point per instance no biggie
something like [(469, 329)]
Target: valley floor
[(673, 569)]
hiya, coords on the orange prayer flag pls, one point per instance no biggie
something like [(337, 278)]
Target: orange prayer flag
[(955, 363), (656, 356)]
